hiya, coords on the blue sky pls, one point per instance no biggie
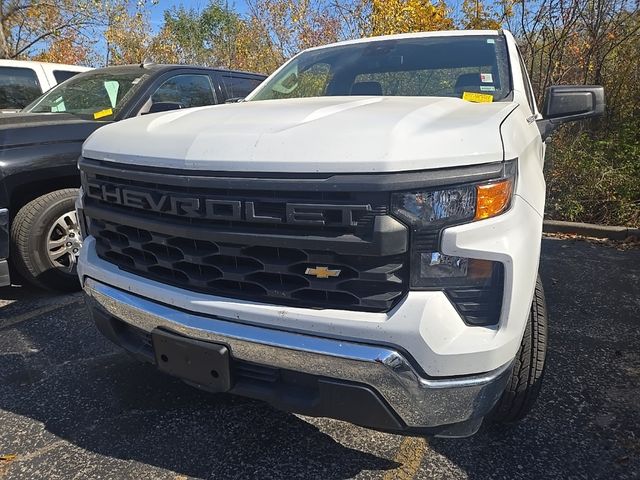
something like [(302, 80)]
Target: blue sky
[(157, 11)]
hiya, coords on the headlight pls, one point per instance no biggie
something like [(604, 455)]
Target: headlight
[(474, 285), (424, 209)]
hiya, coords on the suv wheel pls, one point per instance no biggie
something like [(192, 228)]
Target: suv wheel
[(524, 384), (46, 241)]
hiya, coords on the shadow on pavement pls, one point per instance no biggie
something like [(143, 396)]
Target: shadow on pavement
[(100, 400), (16, 298), (586, 423)]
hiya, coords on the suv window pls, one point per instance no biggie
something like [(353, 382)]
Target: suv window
[(18, 87), (188, 90), (62, 75), (235, 86)]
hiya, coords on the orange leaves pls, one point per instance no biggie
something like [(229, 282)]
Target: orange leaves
[(401, 16), (477, 15), (65, 49), (278, 29)]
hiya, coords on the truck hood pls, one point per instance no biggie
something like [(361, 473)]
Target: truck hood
[(327, 134), (21, 129)]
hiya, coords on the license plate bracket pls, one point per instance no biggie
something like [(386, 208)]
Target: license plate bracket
[(200, 362)]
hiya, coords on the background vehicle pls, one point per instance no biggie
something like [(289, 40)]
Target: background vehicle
[(21, 81), (40, 146), (362, 242)]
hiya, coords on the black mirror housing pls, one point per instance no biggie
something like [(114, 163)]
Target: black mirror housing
[(568, 103), (164, 107)]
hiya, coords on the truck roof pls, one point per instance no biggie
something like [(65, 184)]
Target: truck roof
[(27, 63), (440, 33)]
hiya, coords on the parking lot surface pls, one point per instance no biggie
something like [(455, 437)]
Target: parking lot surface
[(72, 406)]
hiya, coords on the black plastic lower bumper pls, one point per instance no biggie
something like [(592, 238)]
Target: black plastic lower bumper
[(287, 390)]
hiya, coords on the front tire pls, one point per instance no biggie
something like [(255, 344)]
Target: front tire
[(525, 381), (46, 240)]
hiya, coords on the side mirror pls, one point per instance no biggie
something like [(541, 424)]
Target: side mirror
[(568, 103), (164, 107), (235, 100)]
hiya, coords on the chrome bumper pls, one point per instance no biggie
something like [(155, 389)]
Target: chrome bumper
[(419, 402)]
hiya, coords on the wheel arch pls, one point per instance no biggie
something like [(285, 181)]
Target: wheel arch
[(23, 192)]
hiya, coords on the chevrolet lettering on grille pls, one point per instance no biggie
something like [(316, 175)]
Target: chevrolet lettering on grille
[(223, 209)]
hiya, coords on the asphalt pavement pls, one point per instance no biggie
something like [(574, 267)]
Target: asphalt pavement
[(72, 406)]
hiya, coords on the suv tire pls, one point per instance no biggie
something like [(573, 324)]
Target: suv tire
[(45, 240), (523, 386)]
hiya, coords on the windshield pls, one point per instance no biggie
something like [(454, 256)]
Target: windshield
[(445, 66), (95, 95)]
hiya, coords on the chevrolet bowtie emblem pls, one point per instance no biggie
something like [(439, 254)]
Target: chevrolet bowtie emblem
[(322, 272)]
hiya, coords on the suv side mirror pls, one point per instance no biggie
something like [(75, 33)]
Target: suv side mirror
[(568, 103), (164, 107)]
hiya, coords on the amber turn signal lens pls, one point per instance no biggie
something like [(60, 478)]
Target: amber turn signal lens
[(493, 199)]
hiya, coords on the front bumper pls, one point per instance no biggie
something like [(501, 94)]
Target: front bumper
[(4, 247), (424, 324), (383, 377)]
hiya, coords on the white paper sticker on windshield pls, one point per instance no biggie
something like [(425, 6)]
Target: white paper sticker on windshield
[(486, 78), (487, 88), (490, 40)]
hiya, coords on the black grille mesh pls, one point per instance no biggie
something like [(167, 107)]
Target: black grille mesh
[(260, 273)]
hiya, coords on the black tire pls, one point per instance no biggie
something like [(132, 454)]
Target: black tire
[(29, 240), (525, 381)]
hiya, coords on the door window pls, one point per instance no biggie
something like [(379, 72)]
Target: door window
[(187, 90), (236, 87), (62, 75), (18, 87)]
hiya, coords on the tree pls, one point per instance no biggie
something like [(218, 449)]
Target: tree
[(204, 37), (127, 33), (400, 16), (26, 25), (476, 15), (65, 49), (281, 28)]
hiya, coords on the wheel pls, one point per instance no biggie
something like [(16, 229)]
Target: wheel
[(523, 386), (46, 241)]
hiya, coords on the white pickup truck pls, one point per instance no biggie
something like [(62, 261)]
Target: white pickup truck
[(22, 81), (358, 239)]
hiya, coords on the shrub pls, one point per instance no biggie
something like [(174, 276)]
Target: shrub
[(595, 180)]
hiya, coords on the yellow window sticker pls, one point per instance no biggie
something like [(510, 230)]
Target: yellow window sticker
[(477, 97), (105, 113)]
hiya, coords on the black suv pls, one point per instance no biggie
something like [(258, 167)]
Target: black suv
[(39, 148)]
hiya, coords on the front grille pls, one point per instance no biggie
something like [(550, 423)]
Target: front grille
[(264, 258), (261, 273)]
